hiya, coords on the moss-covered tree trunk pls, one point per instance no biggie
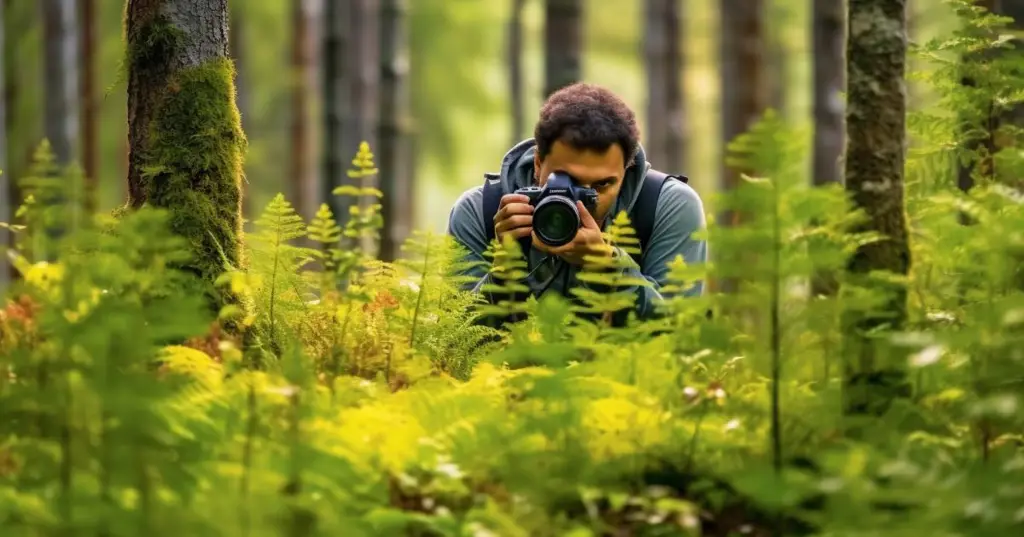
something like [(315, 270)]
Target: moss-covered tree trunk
[(184, 129), (875, 154)]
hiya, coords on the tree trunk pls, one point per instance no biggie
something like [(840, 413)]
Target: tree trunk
[(515, 70), (396, 206), (876, 121), (663, 58), (187, 143), (828, 43), (333, 79), (744, 92), (744, 96), (60, 42), (776, 52), (302, 179), (563, 44), (355, 87), (90, 105)]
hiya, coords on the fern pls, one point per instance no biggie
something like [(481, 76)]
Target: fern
[(277, 263)]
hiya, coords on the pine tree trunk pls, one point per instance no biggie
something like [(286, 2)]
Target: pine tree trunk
[(828, 43), (744, 95), (333, 78), (776, 20), (666, 117), (876, 121), (743, 81), (184, 125), (396, 206), (90, 104), (563, 44), (514, 53), (60, 43), (302, 178)]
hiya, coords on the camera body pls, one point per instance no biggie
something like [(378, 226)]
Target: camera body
[(555, 217)]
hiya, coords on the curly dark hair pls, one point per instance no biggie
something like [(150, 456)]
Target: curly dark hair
[(587, 117)]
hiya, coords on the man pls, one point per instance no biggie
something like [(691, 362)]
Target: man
[(590, 134)]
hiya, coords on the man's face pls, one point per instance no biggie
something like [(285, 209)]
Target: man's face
[(603, 172)]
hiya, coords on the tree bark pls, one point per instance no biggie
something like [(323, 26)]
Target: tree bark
[(60, 44), (514, 53), (184, 128), (828, 43), (663, 58), (563, 44), (333, 52), (875, 155), (393, 140), (302, 178), (90, 104), (743, 81)]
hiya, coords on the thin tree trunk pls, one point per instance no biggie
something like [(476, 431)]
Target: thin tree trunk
[(302, 178), (60, 44), (514, 53), (183, 123), (393, 139), (876, 137), (359, 95), (744, 96), (828, 41), (90, 105), (663, 58), (563, 44), (776, 55), (334, 46)]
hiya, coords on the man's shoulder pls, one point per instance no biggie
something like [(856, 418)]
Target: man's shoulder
[(680, 204), (466, 216)]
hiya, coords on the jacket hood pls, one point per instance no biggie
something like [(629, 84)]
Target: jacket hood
[(517, 172)]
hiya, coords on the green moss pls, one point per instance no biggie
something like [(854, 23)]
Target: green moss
[(195, 154)]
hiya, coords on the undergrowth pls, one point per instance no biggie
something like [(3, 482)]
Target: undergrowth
[(363, 398)]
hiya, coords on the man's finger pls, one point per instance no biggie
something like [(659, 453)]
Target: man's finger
[(513, 222), (512, 209), (513, 198), (585, 218)]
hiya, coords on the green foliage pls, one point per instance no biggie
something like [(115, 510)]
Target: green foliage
[(367, 398)]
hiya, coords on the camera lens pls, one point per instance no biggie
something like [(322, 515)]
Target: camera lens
[(556, 221)]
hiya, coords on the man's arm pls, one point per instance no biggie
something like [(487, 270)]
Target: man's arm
[(465, 225), (678, 216)]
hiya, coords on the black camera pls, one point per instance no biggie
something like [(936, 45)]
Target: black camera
[(555, 217)]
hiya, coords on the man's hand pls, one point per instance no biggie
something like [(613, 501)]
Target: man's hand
[(588, 241), (514, 217)]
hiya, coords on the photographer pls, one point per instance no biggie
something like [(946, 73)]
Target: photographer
[(586, 139)]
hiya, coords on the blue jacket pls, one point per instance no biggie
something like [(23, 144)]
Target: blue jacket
[(679, 213)]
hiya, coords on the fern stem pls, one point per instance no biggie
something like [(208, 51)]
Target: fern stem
[(776, 336), (419, 297)]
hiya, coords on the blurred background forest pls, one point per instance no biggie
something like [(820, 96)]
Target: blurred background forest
[(460, 80)]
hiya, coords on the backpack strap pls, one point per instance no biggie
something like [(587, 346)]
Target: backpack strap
[(642, 215), (492, 198)]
